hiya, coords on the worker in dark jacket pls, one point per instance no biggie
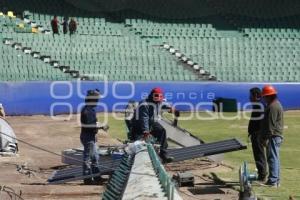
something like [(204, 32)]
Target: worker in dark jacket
[(255, 134), (54, 25), (273, 130), (72, 26), (65, 25), (89, 129), (145, 122)]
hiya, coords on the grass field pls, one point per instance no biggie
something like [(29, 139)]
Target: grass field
[(220, 128)]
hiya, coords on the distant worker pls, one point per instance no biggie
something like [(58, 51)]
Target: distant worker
[(65, 25), (89, 129), (72, 26), (146, 125), (2, 112), (54, 25), (273, 130), (255, 134)]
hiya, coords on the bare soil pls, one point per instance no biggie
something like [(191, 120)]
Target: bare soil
[(57, 135)]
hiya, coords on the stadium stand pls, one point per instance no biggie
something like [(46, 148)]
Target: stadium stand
[(133, 47)]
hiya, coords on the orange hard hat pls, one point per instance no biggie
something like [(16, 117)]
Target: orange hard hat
[(268, 90), (157, 94)]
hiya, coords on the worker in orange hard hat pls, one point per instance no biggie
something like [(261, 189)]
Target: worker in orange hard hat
[(269, 90), (145, 121), (272, 128)]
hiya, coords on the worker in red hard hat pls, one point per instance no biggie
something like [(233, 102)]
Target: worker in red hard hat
[(145, 121), (272, 129)]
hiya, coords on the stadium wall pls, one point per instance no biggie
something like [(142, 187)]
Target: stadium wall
[(51, 98)]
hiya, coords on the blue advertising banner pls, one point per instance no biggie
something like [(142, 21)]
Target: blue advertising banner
[(31, 98)]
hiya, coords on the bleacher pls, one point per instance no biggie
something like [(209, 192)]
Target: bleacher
[(131, 48), (17, 66), (249, 54)]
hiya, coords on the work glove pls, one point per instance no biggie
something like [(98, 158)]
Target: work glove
[(146, 135), (105, 127)]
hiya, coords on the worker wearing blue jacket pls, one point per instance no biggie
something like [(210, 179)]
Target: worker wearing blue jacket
[(89, 129)]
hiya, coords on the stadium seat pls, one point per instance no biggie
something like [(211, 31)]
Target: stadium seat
[(11, 14), (142, 48)]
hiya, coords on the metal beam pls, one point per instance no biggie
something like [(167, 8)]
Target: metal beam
[(178, 135), (76, 172), (179, 154), (206, 149)]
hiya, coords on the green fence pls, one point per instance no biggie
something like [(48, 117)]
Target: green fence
[(164, 178)]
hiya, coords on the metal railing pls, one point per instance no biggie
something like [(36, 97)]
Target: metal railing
[(164, 178)]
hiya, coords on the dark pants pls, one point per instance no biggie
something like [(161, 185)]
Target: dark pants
[(259, 156), (160, 134), (90, 154), (129, 127)]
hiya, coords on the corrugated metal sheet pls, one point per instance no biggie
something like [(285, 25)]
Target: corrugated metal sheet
[(180, 154)]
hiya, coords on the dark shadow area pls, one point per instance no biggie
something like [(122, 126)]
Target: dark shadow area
[(206, 190), (223, 15), (58, 167), (34, 183), (220, 185)]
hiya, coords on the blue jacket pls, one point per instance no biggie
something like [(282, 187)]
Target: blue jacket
[(88, 120)]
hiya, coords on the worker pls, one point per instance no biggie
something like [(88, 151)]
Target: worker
[(54, 25), (255, 134), (72, 26), (89, 129), (146, 123), (272, 130), (65, 25)]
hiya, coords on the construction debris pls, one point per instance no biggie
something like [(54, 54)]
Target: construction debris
[(8, 142), (184, 179)]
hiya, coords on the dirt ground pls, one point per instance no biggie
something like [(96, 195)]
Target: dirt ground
[(57, 135)]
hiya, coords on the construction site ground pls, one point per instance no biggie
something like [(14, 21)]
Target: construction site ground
[(27, 173)]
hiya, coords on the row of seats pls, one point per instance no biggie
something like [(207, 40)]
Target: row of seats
[(85, 25), (150, 29), (16, 66), (272, 33), (239, 58), (107, 56), (128, 49)]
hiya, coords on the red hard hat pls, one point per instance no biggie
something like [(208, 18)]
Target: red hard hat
[(157, 94), (268, 90)]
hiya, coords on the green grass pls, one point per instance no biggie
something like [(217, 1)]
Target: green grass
[(218, 129)]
